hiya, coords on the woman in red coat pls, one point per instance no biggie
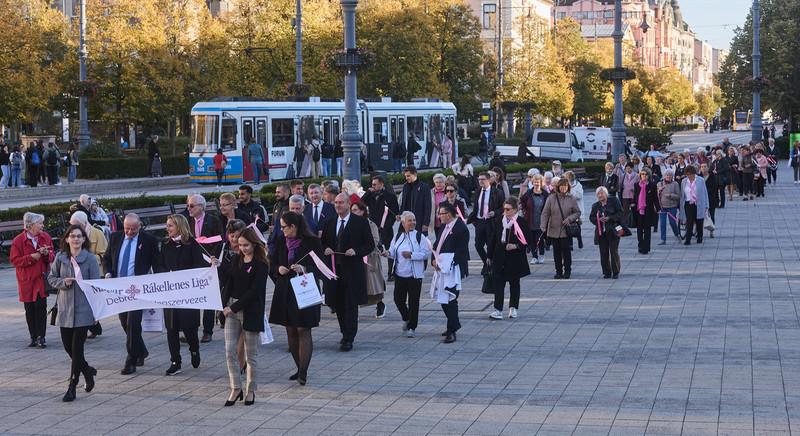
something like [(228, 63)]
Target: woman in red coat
[(31, 254)]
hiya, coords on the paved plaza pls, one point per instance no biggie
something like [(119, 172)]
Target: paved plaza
[(690, 340)]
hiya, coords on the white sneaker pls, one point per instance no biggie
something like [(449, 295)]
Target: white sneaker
[(410, 333), (496, 315), (534, 261), (541, 260), (512, 313), (405, 326)]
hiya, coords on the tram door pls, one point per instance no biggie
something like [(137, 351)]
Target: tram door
[(253, 128)]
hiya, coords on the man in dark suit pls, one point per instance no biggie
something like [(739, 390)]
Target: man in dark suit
[(316, 211), (131, 253), (379, 200), (416, 197), (347, 239), (203, 224), (488, 203)]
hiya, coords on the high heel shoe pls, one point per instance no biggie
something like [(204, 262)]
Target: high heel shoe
[(69, 396), (239, 397), (250, 402), (89, 376)]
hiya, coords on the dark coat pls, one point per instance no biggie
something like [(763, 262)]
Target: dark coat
[(531, 204), (611, 183), (456, 242), (212, 226), (416, 197), (612, 210), (237, 214), (327, 212), (508, 264), (144, 261), (283, 310), (722, 169), (377, 202), (350, 269), (252, 288), (176, 256), (254, 209), (496, 199), (713, 192), (651, 205)]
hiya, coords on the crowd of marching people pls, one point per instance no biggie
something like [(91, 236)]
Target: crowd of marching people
[(342, 233)]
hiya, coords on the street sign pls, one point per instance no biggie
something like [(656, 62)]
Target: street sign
[(486, 116)]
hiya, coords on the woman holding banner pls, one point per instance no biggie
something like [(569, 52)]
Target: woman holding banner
[(297, 252), (74, 261), (243, 298), (180, 251), (508, 258), (450, 257)]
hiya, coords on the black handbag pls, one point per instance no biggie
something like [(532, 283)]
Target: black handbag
[(573, 229), (486, 287)]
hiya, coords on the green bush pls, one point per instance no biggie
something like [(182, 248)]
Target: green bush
[(128, 167), (650, 135)]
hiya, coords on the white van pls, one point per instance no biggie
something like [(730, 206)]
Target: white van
[(556, 144), (596, 142)]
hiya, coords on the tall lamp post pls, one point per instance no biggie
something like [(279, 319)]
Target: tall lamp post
[(349, 61), (298, 45), (756, 123), (83, 127)]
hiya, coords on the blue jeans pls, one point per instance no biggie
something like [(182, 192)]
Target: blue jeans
[(327, 163), (72, 173), (257, 170), (662, 219), (16, 177), (339, 161), (6, 175)]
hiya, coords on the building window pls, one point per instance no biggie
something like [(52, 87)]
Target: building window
[(489, 16)]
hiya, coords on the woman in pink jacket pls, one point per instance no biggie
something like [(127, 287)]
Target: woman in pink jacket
[(761, 175)]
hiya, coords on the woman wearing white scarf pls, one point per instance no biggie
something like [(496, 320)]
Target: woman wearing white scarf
[(508, 259)]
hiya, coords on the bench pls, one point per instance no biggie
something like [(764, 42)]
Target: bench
[(580, 174), (8, 231), (211, 206), (152, 218)]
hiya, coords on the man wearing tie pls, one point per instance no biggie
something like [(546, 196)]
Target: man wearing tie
[(207, 225), (488, 203), (317, 212), (347, 239), (131, 253)]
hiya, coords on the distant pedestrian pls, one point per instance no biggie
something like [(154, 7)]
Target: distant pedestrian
[(51, 158), (220, 163), (446, 282), (34, 160), (152, 151), (410, 257), (508, 258), (560, 210), (645, 209), (155, 166), (694, 205), (255, 155), (794, 161), (17, 160), (5, 165), (669, 195), (606, 215), (72, 164)]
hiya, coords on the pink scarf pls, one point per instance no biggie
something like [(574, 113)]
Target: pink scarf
[(642, 200)]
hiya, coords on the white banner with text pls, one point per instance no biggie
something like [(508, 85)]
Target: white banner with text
[(188, 289)]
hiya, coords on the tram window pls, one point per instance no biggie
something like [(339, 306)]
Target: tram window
[(416, 128), (205, 130), (436, 129), (335, 131), (380, 130), (228, 134), (282, 132)]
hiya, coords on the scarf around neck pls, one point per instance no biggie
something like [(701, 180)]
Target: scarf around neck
[(642, 200)]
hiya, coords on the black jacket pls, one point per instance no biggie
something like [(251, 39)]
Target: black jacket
[(496, 199), (457, 242), (377, 202), (251, 285), (177, 256), (253, 209), (611, 183), (651, 204), (212, 226), (145, 258), (612, 210), (350, 269), (508, 264), (416, 197)]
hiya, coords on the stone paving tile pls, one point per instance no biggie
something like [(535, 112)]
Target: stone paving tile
[(690, 340)]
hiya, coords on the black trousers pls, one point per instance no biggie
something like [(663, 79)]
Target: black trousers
[(772, 175), (36, 317), (537, 243), (51, 174), (482, 228), (609, 255), (451, 312), (33, 176), (692, 223), (747, 183), (174, 342), (346, 314), (500, 291), (721, 195), (406, 297), (220, 174), (562, 255), (758, 186), (132, 324), (74, 339), (209, 317), (643, 235)]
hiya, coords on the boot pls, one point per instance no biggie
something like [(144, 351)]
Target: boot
[(69, 396), (89, 374)]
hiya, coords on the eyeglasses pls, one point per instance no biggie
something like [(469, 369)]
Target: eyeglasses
[(443, 213), (76, 236), (508, 209), (193, 205), (449, 190)]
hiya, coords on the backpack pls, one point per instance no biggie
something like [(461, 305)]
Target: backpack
[(52, 157), (315, 154), (35, 158), (16, 160)]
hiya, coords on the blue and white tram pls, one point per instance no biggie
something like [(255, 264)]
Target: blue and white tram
[(279, 126)]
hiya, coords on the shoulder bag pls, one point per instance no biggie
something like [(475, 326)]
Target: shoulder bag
[(573, 230)]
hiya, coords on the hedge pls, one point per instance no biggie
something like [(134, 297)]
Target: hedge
[(129, 167)]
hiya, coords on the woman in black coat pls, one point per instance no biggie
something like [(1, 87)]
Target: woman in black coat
[(507, 256), (243, 300), (606, 215), (645, 208), (180, 251), (290, 260)]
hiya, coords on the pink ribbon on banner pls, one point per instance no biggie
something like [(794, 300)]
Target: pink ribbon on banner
[(258, 232), (323, 269), (385, 214), (208, 240), (520, 234)]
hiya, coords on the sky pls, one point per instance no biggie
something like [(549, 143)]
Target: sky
[(715, 20)]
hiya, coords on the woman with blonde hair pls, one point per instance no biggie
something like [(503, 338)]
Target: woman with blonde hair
[(180, 251)]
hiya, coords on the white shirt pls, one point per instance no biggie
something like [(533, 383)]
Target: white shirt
[(485, 205), (339, 223), (132, 259), (403, 267)]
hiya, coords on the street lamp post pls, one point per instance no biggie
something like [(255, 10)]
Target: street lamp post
[(351, 138), (83, 128), (298, 46), (618, 128), (756, 123)]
